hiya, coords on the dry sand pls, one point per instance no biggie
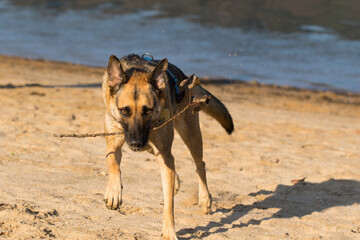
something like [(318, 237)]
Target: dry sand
[(53, 188)]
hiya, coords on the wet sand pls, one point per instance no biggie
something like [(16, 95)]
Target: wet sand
[(53, 188)]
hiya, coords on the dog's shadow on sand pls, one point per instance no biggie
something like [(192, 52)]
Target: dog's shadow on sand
[(298, 200)]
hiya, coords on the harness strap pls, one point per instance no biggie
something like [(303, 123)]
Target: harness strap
[(174, 79)]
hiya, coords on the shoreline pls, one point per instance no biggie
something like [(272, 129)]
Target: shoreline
[(303, 94), (205, 79)]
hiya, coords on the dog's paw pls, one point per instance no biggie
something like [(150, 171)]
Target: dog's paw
[(205, 202), (169, 235), (113, 193)]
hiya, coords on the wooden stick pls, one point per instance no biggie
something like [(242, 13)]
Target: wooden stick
[(193, 101), (173, 117), (84, 135), (196, 100)]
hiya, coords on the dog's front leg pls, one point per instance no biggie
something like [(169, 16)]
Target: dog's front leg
[(113, 193), (167, 166)]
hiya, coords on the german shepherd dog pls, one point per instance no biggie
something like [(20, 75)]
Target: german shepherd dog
[(138, 93)]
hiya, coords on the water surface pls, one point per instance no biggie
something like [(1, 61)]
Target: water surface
[(312, 44)]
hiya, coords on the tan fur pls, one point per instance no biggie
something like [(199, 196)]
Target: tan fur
[(140, 92)]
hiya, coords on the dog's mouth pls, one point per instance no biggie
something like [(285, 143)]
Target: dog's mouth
[(136, 148), (136, 145)]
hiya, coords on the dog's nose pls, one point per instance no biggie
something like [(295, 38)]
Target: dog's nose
[(135, 144)]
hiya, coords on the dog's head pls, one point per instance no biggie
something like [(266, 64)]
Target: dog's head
[(135, 99)]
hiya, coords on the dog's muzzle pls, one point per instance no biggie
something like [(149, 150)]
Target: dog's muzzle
[(136, 145)]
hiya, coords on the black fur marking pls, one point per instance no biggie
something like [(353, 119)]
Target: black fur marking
[(136, 93), (129, 72)]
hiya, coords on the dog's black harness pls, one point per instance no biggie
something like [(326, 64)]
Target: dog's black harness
[(178, 95)]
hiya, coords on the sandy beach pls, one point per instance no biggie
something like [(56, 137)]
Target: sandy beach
[(291, 169)]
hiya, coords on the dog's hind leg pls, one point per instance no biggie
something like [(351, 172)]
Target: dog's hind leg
[(188, 128)]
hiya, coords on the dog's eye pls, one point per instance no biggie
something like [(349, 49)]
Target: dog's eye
[(125, 111), (147, 111)]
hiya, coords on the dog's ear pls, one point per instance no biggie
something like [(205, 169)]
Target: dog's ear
[(116, 74), (158, 76)]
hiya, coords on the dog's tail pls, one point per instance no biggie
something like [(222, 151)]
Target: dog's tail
[(216, 109)]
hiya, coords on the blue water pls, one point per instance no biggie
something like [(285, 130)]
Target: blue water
[(313, 57)]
